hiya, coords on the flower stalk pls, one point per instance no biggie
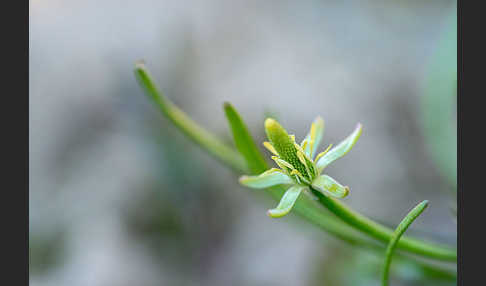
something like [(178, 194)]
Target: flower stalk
[(248, 159)]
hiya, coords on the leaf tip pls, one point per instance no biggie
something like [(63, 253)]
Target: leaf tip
[(140, 64), (227, 105), (275, 214), (243, 179)]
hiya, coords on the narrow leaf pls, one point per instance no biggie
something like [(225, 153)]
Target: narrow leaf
[(189, 127), (244, 142), (397, 234)]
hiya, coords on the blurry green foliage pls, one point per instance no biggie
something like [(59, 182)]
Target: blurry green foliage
[(45, 251), (439, 117)]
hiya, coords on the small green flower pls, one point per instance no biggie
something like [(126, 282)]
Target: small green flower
[(297, 168)]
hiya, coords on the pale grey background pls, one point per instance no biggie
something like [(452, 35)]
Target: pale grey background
[(103, 160)]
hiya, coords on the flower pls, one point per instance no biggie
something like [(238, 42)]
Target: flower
[(297, 168)]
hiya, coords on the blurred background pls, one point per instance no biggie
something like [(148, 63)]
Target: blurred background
[(118, 196)]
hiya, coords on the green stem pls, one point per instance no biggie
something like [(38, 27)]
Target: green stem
[(397, 234), (309, 209), (384, 233), (305, 207), (186, 124)]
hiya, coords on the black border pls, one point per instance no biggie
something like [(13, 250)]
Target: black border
[(470, 85), (15, 140), (16, 148)]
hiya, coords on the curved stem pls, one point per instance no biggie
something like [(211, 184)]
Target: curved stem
[(402, 227), (186, 124), (384, 233), (304, 207)]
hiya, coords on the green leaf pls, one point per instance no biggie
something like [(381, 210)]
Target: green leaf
[(287, 202), (189, 127), (341, 149), (328, 185), (267, 179), (307, 208), (383, 233), (397, 234), (244, 142)]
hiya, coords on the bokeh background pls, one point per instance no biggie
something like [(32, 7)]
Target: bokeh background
[(118, 196)]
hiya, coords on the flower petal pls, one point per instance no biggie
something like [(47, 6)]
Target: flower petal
[(286, 202), (268, 178), (322, 153), (328, 185), (341, 149), (314, 137), (270, 148)]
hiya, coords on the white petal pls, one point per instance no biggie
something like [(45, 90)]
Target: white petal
[(340, 150), (329, 186), (286, 202), (269, 178)]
